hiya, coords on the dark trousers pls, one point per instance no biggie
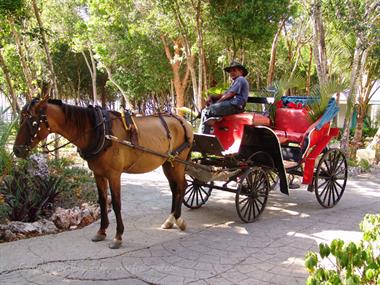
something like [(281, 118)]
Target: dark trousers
[(219, 109)]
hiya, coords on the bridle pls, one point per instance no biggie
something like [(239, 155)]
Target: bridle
[(34, 122)]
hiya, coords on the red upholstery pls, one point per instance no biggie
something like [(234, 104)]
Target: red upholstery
[(286, 137), (230, 129), (290, 125)]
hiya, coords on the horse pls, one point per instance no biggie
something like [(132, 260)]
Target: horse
[(157, 133)]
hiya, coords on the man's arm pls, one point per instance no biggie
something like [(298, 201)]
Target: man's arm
[(227, 96)]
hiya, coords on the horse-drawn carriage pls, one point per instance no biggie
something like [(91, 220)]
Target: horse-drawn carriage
[(245, 151), (238, 156)]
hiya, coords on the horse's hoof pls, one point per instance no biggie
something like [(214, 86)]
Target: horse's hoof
[(181, 224), (115, 244), (98, 237), (168, 224)]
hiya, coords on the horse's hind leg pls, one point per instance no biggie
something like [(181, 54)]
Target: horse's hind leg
[(116, 205), (101, 183), (176, 177)]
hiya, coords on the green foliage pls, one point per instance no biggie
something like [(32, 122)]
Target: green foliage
[(324, 94), (6, 159), (77, 182), (27, 196), (365, 164), (254, 20), (353, 263), (11, 7)]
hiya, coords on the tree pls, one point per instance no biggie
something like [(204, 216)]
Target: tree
[(361, 19)]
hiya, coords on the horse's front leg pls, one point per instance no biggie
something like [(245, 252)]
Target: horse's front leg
[(176, 178), (116, 205), (101, 183)]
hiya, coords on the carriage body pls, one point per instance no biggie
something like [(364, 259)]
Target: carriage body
[(249, 148)]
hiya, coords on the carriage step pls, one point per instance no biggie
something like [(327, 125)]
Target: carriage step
[(290, 164)]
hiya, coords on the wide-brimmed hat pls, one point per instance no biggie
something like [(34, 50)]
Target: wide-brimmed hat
[(237, 65)]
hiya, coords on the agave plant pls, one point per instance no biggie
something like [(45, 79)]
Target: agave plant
[(27, 196), (323, 94), (6, 159), (279, 89)]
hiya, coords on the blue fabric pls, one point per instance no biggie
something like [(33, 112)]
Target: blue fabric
[(329, 114), (240, 87), (304, 100)]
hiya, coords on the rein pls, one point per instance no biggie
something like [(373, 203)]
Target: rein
[(69, 142)]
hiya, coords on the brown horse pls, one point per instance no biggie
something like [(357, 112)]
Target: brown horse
[(76, 124)]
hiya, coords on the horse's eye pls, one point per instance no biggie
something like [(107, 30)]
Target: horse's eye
[(34, 124)]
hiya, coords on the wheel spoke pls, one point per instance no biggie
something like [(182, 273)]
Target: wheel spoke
[(189, 197), (189, 190), (242, 201), (333, 193), (244, 206), (247, 208), (323, 184), (328, 201), (258, 208), (327, 191)]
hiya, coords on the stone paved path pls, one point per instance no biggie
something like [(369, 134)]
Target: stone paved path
[(216, 248)]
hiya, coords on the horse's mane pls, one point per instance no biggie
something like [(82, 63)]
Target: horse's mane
[(76, 116)]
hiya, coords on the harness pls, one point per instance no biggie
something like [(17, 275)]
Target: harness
[(34, 123), (102, 129)]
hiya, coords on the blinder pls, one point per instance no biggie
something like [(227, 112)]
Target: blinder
[(34, 122)]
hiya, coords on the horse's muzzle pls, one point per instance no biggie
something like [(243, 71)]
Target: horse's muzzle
[(20, 151)]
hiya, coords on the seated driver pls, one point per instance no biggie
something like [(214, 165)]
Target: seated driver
[(233, 100)]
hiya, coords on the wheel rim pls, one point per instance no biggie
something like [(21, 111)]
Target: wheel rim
[(196, 194), (252, 195), (330, 178)]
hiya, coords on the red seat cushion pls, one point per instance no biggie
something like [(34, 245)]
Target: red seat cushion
[(286, 137), (291, 120), (291, 124)]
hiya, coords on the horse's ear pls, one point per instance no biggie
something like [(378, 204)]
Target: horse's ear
[(42, 102), (45, 95)]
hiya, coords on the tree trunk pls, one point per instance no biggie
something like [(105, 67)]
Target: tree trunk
[(308, 76), (319, 42), (92, 69), (178, 82), (272, 61), (32, 88), (110, 77), (12, 95), (53, 78), (202, 76), (344, 143)]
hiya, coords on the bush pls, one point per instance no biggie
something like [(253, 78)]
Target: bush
[(365, 165), (352, 263), (26, 197), (79, 183)]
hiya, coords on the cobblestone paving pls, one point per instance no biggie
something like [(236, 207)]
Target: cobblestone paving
[(215, 249)]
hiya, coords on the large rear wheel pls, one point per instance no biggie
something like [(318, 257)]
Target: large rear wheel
[(252, 194), (196, 193), (330, 178)]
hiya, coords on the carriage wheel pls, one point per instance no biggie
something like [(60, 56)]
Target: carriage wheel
[(196, 194), (252, 194), (330, 178)]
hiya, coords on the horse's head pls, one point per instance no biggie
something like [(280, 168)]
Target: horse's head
[(34, 127)]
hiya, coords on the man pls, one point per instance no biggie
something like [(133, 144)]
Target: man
[(233, 100)]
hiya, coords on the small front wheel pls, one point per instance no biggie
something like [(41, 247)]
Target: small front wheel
[(196, 193), (252, 194)]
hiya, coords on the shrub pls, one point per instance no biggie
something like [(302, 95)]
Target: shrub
[(27, 196), (365, 165), (352, 263)]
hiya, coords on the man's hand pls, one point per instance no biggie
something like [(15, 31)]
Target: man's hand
[(226, 96)]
